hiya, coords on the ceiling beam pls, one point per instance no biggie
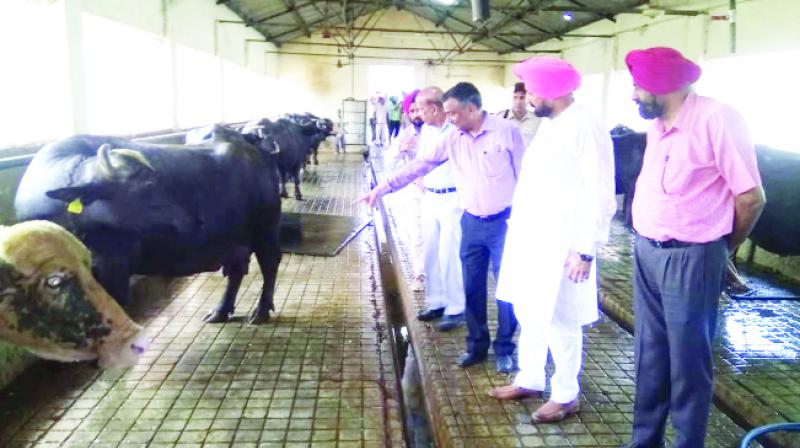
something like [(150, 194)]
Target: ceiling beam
[(469, 33), (308, 24), (283, 13), (290, 5), (495, 61), (385, 47)]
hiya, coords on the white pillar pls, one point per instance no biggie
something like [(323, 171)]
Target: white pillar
[(73, 11)]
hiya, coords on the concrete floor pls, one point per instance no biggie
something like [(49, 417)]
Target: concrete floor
[(321, 373)]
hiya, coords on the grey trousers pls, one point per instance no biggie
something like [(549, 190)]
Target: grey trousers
[(676, 293)]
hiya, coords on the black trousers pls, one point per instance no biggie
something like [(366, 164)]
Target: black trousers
[(676, 293), (482, 241), (394, 128)]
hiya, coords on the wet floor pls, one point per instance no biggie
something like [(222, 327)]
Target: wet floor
[(322, 372)]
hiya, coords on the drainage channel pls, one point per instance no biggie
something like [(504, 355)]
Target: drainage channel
[(416, 425)]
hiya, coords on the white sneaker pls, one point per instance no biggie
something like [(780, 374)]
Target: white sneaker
[(419, 283)]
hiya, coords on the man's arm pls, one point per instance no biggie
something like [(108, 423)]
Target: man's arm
[(422, 165), (747, 209)]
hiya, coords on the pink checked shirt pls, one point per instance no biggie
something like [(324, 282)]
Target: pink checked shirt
[(485, 166), (692, 173)]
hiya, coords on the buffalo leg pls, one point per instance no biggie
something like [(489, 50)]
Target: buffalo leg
[(235, 270), (316, 151), (297, 194), (282, 184), (114, 274), (627, 203), (111, 261), (751, 254), (733, 280), (268, 254)]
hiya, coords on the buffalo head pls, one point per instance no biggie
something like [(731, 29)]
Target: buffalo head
[(51, 304)]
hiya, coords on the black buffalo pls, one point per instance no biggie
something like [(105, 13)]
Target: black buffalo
[(628, 157), (294, 146), (776, 230), (163, 210), (315, 130)]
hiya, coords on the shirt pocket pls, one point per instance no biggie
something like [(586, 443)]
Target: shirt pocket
[(494, 162), (683, 168)]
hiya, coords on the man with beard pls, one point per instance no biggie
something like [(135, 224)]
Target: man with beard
[(444, 286), (697, 198), (562, 210), (486, 154), (403, 150)]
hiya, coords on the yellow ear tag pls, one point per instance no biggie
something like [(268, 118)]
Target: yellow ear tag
[(75, 206)]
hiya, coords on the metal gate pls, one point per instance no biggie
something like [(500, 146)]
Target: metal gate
[(354, 119)]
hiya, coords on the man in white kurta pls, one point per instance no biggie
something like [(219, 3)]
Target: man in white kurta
[(561, 212), (381, 136), (441, 216), (402, 150)]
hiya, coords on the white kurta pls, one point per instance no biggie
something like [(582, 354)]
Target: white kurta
[(564, 200)]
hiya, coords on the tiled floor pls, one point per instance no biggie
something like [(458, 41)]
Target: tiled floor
[(319, 374), (473, 419)]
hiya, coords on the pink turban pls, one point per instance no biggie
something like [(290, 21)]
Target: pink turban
[(410, 98), (548, 77), (661, 70)]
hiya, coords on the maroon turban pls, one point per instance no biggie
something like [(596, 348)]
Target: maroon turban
[(661, 70), (410, 98), (548, 77)]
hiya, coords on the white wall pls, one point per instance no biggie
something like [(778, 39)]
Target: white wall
[(116, 66), (104, 66)]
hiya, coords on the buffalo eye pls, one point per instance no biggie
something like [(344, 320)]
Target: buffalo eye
[(54, 282)]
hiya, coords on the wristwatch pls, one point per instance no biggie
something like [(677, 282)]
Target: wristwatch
[(586, 258)]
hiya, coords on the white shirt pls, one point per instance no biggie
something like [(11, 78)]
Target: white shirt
[(441, 176), (380, 111), (564, 201)]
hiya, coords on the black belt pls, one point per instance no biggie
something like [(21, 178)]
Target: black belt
[(671, 244), (502, 214), (441, 190)]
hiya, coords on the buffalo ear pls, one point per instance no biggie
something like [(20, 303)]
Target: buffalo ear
[(87, 193)]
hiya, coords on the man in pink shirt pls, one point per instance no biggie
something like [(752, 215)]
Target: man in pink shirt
[(485, 154), (697, 198)]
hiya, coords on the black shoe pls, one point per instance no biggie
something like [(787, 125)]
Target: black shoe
[(505, 363), (467, 359), (429, 314), (450, 322)]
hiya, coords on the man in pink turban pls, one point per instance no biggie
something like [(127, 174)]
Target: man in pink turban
[(561, 211), (697, 198)]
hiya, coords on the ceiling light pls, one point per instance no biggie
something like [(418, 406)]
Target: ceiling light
[(567, 16)]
